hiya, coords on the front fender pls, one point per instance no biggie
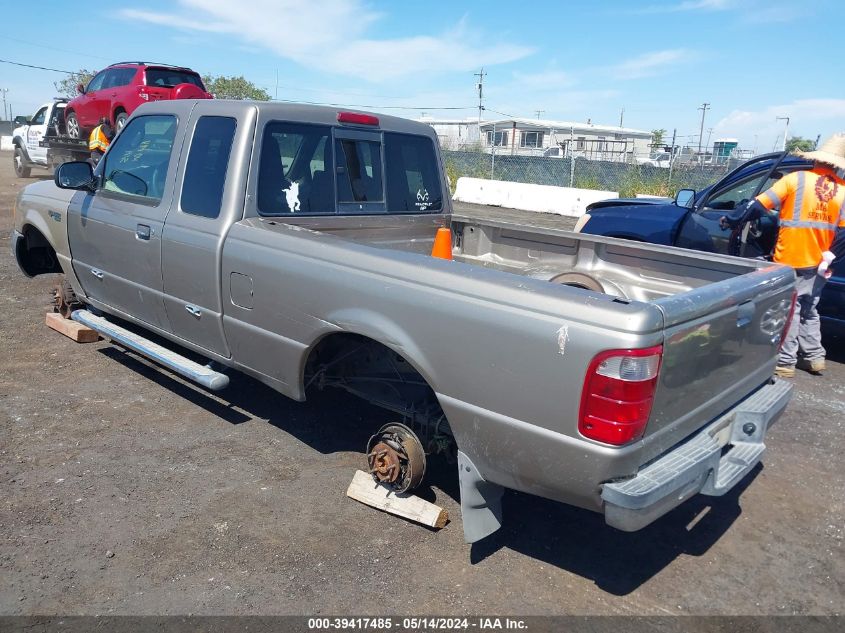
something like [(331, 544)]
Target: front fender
[(17, 141)]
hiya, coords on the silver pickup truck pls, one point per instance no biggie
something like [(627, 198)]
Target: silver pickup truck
[(293, 243)]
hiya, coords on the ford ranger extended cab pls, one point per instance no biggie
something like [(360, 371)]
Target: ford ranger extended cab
[(293, 243)]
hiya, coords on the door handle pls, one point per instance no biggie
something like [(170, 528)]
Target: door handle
[(194, 310), (97, 273), (143, 232)]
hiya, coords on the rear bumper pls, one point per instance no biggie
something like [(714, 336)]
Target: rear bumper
[(700, 464)]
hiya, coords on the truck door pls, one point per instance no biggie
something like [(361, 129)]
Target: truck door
[(210, 200), (115, 233), (34, 133)]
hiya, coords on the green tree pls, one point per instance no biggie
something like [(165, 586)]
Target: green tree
[(657, 137), (799, 144), (234, 88), (67, 86)]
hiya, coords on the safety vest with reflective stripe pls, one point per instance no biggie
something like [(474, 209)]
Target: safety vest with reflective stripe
[(812, 206), (98, 141)]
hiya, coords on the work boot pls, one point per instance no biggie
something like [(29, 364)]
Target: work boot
[(785, 371), (812, 366)]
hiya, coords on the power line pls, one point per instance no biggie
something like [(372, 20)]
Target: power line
[(56, 70), (53, 48)]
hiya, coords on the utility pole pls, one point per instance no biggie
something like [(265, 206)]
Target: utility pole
[(480, 86), (277, 85), (709, 132), (4, 91), (785, 130), (621, 116), (703, 108), (539, 112), (672, 156)]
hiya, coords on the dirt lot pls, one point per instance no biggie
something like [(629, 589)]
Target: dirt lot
[(126, 490)]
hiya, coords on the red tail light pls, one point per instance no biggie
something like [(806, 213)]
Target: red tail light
[(789, 318), (618, 394), (142, 92), (355, 117)]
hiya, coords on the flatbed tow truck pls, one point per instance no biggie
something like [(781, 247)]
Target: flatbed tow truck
[(42, 142)]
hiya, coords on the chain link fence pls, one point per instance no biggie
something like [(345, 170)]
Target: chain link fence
[(642, 175)]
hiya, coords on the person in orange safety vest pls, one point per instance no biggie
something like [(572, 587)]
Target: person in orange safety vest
[(99, 140), (811, 235)]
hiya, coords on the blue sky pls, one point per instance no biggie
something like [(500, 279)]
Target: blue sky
[(752, 60)]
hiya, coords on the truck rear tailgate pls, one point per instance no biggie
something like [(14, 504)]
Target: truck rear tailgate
[(721, 343)]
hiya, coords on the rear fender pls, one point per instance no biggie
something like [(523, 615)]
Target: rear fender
[(377, 327)]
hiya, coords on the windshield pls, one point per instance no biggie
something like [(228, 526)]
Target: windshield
[(167, 78)]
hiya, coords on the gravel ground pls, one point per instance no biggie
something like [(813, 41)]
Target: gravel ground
[(126, 490)]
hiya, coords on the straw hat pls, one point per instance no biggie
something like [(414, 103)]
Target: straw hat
[(832, 152)]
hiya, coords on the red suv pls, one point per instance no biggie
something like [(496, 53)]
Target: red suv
[(115, 92)]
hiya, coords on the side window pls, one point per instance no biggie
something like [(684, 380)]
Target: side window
[(97, 82), (119, 77), (737, 193), (38, 119), (137, 161), (413, 175), (208, 160), (293, 170), (359, 171)]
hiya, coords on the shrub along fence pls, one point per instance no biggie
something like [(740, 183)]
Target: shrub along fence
[(627, 179)]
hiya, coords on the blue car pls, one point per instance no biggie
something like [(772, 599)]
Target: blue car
[(691, 220)]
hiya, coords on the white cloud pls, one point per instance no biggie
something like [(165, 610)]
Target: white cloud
[(649, 64), (687, 5), (332, 36), (807, 117)]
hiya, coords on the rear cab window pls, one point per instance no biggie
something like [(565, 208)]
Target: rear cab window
[(316, 169), (295, 169), (413, 174)]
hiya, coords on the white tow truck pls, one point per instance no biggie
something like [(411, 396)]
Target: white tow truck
[(38, 143)]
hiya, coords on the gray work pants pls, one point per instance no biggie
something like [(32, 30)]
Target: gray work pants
[(804, 337)]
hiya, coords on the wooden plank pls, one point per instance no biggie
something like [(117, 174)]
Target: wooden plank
[(405, 505), (73, 330)]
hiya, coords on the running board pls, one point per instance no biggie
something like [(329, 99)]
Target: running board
[(208, 378)]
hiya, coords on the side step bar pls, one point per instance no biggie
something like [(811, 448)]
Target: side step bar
[(208, 378)]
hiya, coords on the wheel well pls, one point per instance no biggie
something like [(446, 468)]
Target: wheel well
[(372, 371), (117, 111), (35, 254)]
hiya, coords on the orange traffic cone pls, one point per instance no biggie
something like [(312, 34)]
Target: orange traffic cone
[(442, 244)]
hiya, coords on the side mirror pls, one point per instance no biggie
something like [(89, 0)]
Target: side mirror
[(685, 198), (80, 89), (75, 175)]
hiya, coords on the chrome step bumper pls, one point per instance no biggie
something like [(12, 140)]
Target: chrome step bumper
[(200, 374), (700, 464)]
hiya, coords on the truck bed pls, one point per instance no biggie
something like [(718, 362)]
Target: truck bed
[(718, 318)]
